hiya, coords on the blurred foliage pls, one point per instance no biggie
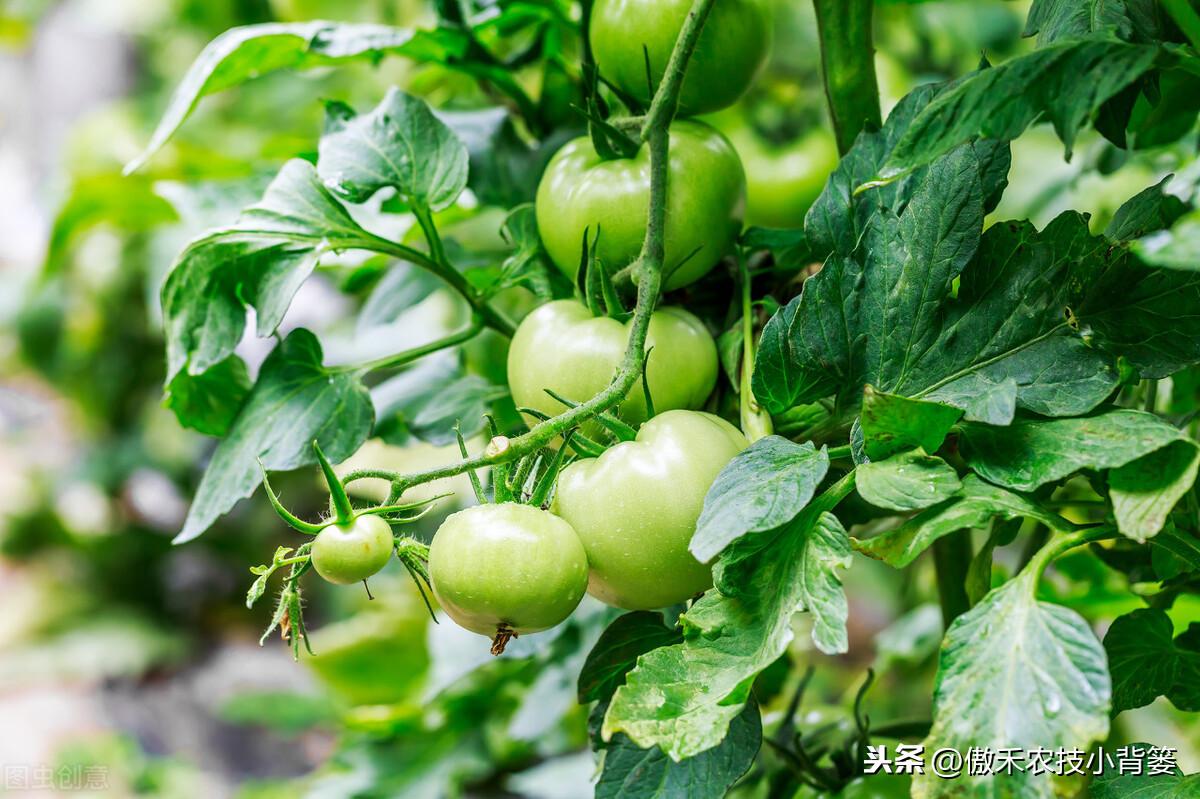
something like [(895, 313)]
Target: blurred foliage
[(406, 707)]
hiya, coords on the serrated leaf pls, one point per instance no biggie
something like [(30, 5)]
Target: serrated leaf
[(247, 52), (1147, 661), (399, 145), (889, 316), (1032, 452), (633, 773), (976, 504), (763, 488), (259, 261), (891, 424), (617, 651), (731, 634), (1144, 491), (1015, 673), (295, 401), (907, 481), (1064, 83)]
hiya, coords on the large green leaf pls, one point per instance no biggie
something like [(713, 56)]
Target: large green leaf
[(633, 773), (889, 316), (761, 489), (1032, 452), (259, 261), (1064, 83), (1145, 490), (907, 481), (399, 145), (1147, 661), (244, 53), (682, 698), (296, 401), (1151, 209), (1015, 673), (1174, 552), (975, 504)]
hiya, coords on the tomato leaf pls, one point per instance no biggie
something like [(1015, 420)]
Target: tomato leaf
[(762, 488), (1121, 783), (259, 261), (1176, 551), (1065, 83), (401, 145), (210, 401), (731, 634), (633, 773), (1032, 452), (1147, 661), (247, 52), (888, 315), (295, 401), (1128, 20), (975, 505), (620, 645), (1145, 490), (892, 424), (907, 481), (1039, 664), (1149, 210)]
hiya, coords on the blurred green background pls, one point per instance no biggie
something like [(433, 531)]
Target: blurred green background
[(122, 653)]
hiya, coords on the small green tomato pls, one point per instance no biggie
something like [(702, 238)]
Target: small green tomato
[(507, 569), (348, 553)]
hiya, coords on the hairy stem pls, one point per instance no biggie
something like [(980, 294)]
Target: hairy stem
[(655, 133), (410, 355), (848, 65)]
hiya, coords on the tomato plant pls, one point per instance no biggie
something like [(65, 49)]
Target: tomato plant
[(951, 425)]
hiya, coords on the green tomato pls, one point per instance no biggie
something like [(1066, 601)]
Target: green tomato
[(348, 553), (562, 347), (636, 506), (507, 566), (732, 48), (783, 181), (580, 191)]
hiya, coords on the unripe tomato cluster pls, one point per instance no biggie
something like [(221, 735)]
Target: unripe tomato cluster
[(619, 524)]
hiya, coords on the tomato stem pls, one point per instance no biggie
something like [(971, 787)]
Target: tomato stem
[(655, 133), (848, 66)]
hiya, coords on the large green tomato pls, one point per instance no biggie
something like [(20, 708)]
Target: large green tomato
[(348, 553), (782, 181), (732, 48), (507, 567), (705, 201), (636, 506), (562, 347)]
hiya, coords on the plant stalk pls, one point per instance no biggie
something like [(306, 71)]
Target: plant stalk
[(848, 66), (655, 133), (952, 555)]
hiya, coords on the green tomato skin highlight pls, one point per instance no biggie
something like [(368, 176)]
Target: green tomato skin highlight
[(705, 204), (636, 506), (784, 181), (732, 48), (507, 565), (345, 554), (562, 347)]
